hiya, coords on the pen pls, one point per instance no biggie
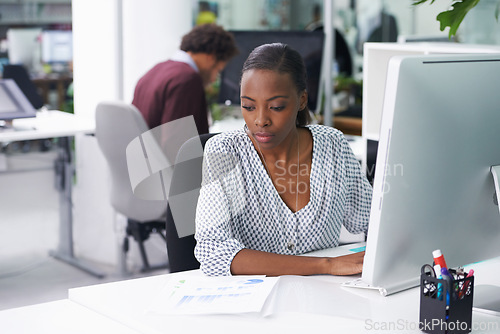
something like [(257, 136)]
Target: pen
[(466, 284)]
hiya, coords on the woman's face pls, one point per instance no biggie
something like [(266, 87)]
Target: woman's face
[(269, 104)]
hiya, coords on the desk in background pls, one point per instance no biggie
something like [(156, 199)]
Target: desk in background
[(61, 83), (56, 124)]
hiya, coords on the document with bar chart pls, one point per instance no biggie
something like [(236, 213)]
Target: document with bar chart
[(213, 295)]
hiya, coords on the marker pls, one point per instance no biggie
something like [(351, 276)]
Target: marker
[(437, 270), (439, 258), (446, 276), (466, 285)]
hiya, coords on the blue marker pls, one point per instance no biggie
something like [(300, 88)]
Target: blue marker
[(446, 275), (437, 270)]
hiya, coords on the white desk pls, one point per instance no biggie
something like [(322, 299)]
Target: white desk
[(48, 124), (302, 305), (59, 317), (56, 124)]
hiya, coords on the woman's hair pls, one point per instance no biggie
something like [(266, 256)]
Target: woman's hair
[(211, 39), (281, 58)]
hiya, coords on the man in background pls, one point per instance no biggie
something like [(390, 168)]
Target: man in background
[(176, 88)]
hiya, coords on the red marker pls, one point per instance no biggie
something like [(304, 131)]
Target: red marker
[(439, 258), (466, 285)]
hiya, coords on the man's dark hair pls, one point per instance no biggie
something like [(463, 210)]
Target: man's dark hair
[(281, 58), (211, 39)]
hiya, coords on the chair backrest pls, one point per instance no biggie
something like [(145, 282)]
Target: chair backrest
[(117, 124), (187, 176), (20, 75)]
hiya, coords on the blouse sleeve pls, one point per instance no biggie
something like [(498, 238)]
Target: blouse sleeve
[(359, 193), (217, 242)]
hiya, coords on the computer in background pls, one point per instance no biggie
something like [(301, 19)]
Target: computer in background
[(20, 75), (13, 104), (57, 49), (435, 188), (24, 47), (308, 43)]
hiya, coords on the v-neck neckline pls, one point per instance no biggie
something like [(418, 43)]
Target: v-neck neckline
[(312, 175)]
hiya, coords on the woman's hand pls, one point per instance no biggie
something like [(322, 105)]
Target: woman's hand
[(346, 265)]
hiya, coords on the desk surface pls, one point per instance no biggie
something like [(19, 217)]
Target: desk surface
[(59, 317), (301, 305), (48, 124)]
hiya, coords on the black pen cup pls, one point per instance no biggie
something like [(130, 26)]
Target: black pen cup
[(446, 306)]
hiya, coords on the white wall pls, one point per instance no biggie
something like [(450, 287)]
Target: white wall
[(411, 20), (425, 18), (152, 32), (480, 25), (108, 61)]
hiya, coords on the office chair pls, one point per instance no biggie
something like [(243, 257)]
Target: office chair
[(343, 55), (117, 124), (187, 176), (387, 31), (20, 75)]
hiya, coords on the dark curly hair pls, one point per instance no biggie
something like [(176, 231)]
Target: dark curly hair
[(211, 39), (281, 58)]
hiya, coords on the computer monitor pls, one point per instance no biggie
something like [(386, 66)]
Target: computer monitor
[(434, 188), (57, 46), (309, 44), (13, 103), (24, 44)]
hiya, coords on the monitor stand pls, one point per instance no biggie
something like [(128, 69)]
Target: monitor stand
[(487, 299), (6, 125)]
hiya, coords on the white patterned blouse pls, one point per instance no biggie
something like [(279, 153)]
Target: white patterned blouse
[(239, 207)]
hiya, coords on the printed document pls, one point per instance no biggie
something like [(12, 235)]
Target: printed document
[(213, 295)]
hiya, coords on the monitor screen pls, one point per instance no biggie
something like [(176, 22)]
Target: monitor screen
[(13, 103), (57, 46), (308, 44), (434, 188)]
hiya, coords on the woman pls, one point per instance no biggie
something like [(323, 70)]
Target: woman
[(280, 187)]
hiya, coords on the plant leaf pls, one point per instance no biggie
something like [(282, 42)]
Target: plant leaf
[(453, 17), (419, 2)]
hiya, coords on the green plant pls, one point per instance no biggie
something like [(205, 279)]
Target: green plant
[(453, 18)]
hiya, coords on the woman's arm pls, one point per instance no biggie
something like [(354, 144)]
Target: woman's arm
[(252, 262)]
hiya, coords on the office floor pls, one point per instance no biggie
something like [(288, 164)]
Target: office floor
[(29, 220)]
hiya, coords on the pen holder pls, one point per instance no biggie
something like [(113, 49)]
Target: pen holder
[(446, 308)]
